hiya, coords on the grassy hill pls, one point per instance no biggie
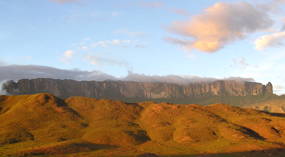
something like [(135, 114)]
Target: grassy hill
[(42, 125)]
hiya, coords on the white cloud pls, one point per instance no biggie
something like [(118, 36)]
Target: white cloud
[(271, 40), (67, 56), (115, 42), (220, 25), (240, 62), (111, 43), (97, 60)]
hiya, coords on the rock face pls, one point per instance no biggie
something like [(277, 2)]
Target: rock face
[(131, 90), (269, 87)]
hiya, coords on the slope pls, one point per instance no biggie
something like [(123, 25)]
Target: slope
[(44, 125)]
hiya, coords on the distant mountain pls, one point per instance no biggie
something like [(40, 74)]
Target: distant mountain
[(44, 125), (143, 91)]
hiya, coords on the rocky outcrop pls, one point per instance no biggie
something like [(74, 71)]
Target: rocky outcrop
[(144, 91), (269, 88)]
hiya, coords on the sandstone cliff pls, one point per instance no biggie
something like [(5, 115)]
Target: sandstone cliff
[(131, 90)]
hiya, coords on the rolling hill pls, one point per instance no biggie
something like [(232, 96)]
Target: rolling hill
[(42, 125)]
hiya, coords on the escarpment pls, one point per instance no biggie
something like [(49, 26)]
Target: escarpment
[(123, 90)]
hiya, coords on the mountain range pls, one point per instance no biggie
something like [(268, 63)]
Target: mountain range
[(221, 91)]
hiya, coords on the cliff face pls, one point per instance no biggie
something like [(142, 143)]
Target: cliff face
[(127, 90)]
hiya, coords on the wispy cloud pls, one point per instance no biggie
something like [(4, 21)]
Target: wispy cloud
[(180, 11), (17, 72), (112, 43), (107, 43), (67, 56), (271, 40), (103, 61), (271, 5), (240, 62), (181, 42), (220, 25)]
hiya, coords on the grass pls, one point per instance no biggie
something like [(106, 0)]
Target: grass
[(42, 125)]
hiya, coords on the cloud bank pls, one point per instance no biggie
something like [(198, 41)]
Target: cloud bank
[(220, 25), (17, 72), (176, 79)]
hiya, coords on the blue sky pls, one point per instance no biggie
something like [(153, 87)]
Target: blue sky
[(184, 37)]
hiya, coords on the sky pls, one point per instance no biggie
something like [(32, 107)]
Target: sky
[(205, 38)]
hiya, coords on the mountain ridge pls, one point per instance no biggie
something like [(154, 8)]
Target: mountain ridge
[(143, 91)]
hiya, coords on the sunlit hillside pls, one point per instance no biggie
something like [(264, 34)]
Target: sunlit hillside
[(42, 125)]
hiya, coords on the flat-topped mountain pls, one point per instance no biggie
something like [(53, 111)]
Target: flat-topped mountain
[(142, 91), (44, 125)]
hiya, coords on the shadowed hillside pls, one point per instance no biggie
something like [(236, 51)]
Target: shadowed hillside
[(43, 125)]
